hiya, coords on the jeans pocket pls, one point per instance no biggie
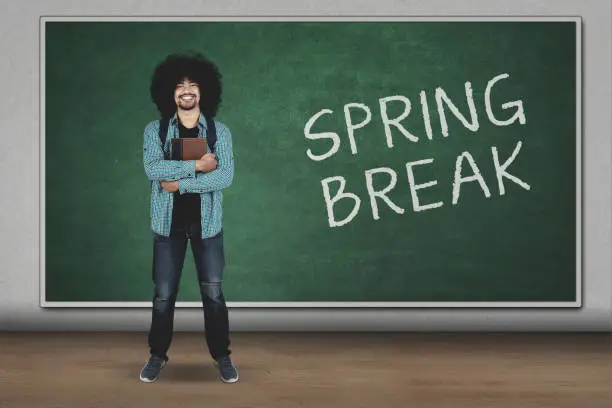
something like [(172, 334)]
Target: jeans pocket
[(160, 238)]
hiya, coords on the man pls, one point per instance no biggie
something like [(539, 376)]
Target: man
[(186, 199)]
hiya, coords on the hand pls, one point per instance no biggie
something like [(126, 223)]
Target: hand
[(207, 163), (170, 186)]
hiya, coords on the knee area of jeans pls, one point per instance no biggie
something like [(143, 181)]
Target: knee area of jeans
[(164, 290), (162, 304), (211, 291)]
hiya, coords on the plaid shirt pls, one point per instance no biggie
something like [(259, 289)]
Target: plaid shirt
[(208, 185)]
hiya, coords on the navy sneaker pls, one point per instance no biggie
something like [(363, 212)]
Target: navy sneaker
[(151, 370), (227, 370)]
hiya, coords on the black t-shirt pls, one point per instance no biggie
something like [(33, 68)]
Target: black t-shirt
[(186, 206)]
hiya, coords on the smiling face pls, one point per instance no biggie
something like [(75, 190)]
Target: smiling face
[(187, 94)]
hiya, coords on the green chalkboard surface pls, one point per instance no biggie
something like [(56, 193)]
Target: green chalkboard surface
[(374, 161)]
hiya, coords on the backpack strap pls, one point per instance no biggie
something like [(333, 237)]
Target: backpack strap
[(211, 133), (163, 131)]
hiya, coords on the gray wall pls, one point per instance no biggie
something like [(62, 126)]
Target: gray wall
[(19, 166)]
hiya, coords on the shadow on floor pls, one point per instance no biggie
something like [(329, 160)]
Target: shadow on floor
[(187, 372)]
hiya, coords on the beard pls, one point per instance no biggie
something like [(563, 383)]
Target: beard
[(187, 104)]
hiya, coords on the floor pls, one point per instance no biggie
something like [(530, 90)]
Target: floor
[(44, 370)]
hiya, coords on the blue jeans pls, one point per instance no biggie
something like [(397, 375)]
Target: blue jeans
[(168, 258)]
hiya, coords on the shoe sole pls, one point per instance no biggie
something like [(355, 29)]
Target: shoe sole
[(231, 381), (146, 380)]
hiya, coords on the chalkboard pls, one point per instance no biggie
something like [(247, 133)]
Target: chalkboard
[(405, 162)]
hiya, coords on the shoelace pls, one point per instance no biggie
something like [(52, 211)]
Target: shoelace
[(226, 363), (154, 363)]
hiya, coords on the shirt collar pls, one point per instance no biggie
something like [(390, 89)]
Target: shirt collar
[(201, 120)]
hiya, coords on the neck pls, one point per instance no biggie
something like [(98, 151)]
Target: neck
[(188, 118)]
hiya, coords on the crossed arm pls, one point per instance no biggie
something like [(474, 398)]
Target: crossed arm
[(211, 173)]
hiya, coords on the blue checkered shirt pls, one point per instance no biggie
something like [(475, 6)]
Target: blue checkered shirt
[(208, 185)]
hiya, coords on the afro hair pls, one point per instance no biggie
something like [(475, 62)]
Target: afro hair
[(173, 70)]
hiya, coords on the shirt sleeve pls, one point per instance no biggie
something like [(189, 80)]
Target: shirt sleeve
[(156, 167)]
